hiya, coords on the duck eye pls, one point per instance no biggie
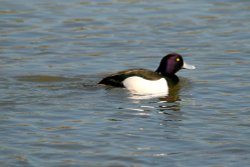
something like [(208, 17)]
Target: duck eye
[(178, 59)]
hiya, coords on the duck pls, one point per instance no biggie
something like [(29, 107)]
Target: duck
[(143, 81)]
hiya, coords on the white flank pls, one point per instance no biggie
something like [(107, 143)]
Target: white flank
[(138, 85)]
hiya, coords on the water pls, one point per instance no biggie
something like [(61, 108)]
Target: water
[(54, 114)]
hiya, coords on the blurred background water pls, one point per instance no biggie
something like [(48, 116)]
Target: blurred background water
[(52, 112)]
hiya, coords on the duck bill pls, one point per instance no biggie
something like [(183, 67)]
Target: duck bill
[(188, 66)]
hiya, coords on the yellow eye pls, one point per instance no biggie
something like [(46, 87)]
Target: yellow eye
[(177, 59)]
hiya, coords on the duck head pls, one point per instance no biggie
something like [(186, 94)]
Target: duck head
[(172, 63)]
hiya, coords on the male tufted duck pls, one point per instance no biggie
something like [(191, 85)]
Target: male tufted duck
[(143, 81)]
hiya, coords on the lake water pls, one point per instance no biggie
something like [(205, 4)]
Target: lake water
[(52, 112)]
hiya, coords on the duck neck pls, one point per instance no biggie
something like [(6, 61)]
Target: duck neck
[(172, 79)]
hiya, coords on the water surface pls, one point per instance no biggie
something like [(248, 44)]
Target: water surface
[(52, 112)]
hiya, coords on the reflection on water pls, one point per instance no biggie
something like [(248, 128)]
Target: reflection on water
[(160, 106), (164, 103)]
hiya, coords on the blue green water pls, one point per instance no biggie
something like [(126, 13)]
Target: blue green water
[(52, 112)]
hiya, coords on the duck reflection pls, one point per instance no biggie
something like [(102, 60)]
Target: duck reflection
[(164, 102)]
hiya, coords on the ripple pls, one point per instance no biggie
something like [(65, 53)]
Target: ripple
[(54, 114)]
